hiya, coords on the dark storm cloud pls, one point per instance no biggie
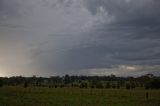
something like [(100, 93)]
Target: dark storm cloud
[(127, 11), (134, 34)]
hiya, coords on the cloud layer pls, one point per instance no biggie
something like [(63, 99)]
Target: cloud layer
[(93, 37)]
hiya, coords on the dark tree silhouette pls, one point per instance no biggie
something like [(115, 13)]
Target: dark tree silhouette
[(112, 81), (108, 85), (1, 83)]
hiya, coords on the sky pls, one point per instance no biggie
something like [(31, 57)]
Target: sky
[(79, 37)]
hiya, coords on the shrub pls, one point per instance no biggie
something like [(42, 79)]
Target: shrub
[(113, 86), (55, 86), (50, 86), (108, 85), (133, 85), (62, 86), (118, 86), (99, 85), (1, 83), (147, 85), (25, 85), (83, 85), (92, 86), (128, 86), (153, 84)]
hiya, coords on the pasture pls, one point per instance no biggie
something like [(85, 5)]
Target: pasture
[(44, 96)]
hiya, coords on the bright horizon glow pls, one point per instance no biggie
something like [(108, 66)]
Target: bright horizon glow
[(1, 74)]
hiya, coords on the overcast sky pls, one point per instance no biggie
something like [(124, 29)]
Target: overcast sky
[(79, 37)]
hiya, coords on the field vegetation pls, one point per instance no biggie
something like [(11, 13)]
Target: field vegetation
[(80, 91)]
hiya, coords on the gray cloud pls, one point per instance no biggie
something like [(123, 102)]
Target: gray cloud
[(127, 11), (80, 36)]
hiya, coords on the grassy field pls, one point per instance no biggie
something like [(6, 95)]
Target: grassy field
[(19, 96)]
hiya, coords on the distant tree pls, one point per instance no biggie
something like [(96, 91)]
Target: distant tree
[(133, 85), (66, 79), (34, 80), (108, 85), (149, 81), (112, 77)]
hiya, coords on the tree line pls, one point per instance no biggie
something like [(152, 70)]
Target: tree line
[(148, 81)]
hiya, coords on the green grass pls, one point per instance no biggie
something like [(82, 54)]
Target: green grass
[(19, 96)]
